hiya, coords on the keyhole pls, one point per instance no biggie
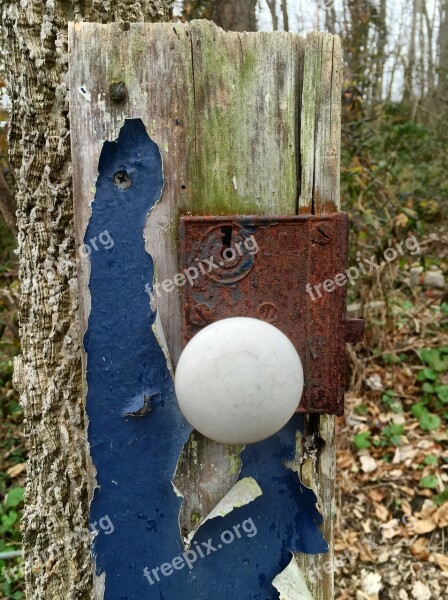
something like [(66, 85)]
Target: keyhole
[(227, 251)]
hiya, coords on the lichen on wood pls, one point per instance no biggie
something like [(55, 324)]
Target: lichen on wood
[(237, 136)]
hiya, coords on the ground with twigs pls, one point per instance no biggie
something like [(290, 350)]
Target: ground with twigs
[(392, 487)]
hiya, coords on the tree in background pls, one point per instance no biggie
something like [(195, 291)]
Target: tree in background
[(441, 92), (379, 58), (232, 15), (7, 200)]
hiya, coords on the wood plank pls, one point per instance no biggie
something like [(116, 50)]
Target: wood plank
[(321, 124), (247, 89), (238, 168), (159, 80), (320, 194), (224, 109)]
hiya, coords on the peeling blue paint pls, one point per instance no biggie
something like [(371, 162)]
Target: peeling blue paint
[(135, 451)]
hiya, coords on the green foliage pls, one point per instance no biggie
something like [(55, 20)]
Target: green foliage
[(426, 374), (10, 515), (392, 434), (435, 395), (436, 358), (11, 576), (394, 359), (428, 421), (15, 496), (441, 498), (6, 370), (429, 482), (393, 174), (362, 440), (442, 393), (390, 401)]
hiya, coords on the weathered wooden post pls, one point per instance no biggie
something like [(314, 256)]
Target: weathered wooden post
[(199, 122)]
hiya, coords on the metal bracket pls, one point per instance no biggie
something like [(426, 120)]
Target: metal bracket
[(277, 269)]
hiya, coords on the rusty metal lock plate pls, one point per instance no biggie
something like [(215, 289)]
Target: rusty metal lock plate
[(260, 267)]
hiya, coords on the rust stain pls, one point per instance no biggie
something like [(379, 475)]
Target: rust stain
[(262, 267)]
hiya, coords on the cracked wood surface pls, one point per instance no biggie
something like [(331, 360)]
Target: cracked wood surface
[(237, 136)]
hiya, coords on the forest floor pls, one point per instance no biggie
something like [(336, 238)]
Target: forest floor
[(392, 482)]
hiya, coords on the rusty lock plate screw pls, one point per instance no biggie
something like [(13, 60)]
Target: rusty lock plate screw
[(117, 91)]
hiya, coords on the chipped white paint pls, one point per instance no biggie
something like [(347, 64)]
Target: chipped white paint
[(177, 491), (160, 336), (291, 584), (99, 585)]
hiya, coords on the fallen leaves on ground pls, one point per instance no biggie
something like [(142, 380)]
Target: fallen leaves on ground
[(392, 462)]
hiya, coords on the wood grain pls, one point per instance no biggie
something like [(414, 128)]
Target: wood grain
[(243, 121), (320, 194), (320, 139)]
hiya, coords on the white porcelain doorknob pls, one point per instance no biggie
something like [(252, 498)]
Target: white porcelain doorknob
[(239, 380)]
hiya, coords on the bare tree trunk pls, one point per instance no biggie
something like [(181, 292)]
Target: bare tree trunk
[(231, 15), (430, 33), (195, 9), (356, 40), (272, 5), (381, 26), (234, 15), (285, 15), (330, 17), (409, 72), (441, 99), (422, 55), (56, 537), (393, 71)]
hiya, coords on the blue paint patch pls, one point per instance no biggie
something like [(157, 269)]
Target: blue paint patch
[(135, 450), (284, 516)]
